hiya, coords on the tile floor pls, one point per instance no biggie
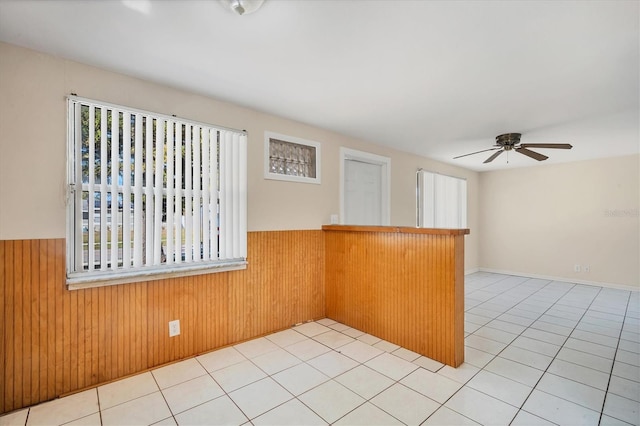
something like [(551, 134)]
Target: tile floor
[(537, 352)]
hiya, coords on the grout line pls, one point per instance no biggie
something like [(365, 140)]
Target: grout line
[(225, 393), (613, 362), (163, 397), (99, 407)]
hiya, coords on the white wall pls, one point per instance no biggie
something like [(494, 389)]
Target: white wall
[(543, 220), (33, 87)]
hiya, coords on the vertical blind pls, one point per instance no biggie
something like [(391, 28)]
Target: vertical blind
[(152, 193), (442, 201)]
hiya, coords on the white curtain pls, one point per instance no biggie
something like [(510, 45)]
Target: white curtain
[(442, 201)]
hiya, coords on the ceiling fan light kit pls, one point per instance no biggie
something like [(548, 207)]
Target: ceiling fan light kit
[(511, 142)]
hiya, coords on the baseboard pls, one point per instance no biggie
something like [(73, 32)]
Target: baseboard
[(564, 279), (471, 271)]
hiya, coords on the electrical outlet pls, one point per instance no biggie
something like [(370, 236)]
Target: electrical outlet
[(174, 328), (576, 268), (586, 269)]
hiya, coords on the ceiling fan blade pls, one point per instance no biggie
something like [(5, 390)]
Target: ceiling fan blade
[(547, 145), (493, 157), (477, 152), (532, 154)]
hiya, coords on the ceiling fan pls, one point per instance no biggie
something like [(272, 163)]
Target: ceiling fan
[(511, 142)]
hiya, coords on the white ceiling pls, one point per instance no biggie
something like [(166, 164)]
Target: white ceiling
[(436, 78)]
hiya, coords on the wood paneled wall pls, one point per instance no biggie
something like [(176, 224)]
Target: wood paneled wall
[(54, 341), (407, 288)]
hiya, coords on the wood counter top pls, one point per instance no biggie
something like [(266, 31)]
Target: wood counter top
[(395, 229)]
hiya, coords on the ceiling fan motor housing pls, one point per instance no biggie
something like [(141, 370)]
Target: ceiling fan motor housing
[(508, 140)]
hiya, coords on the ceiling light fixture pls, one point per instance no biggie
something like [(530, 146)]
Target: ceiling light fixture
[(243, 7)]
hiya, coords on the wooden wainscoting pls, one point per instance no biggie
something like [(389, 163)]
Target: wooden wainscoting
[(55, 341), (400, 284)]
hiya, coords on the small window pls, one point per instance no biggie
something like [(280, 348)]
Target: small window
[(442, 201), (151, 195), (290, 158)]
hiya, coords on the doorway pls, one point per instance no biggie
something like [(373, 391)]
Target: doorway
[(364, 188)]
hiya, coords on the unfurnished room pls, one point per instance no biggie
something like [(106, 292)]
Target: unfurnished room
[(314, 212)]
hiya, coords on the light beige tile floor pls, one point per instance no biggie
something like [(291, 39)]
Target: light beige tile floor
[(537, 352)]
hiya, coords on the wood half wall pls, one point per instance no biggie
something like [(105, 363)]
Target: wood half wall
[(403, 285), (54, 341)]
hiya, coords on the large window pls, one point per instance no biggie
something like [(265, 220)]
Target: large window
[(151, 195), (442, 201)]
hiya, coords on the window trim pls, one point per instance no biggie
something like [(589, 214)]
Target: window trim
[(268, 135), (101, 278), (96, 278)]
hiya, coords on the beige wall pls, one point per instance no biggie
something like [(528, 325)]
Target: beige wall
[(543, 220), (540, 220), (33, 87)]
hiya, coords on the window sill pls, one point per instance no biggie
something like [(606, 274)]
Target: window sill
[(80, 281)]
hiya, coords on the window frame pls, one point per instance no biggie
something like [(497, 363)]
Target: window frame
[(316, 146), (231, 222)]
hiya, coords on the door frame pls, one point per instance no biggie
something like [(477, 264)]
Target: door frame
[(385, 181)]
